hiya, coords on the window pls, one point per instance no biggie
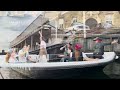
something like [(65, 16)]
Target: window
[(91, 13), (74, 20), (61, 25), (61, 22), (80, 26), (108, 19), (110, 22), (8, 13)]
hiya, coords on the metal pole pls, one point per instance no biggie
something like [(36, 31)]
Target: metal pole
[(56, 28), (84, 29), (41, 31), (31, 43), (44, 12), (84, 24), (25, 42)]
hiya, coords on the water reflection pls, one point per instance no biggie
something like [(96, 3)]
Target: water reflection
[(113, 69)]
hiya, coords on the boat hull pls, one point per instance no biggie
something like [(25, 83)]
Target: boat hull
[(72, 73), (56, 70)]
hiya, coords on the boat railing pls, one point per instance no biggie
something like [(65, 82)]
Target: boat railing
[(54, 57)]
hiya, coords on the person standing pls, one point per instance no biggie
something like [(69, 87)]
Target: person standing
[(43, 51), (99, 47)]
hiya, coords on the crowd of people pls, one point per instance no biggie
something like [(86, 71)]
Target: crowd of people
[(72, 51), (23, 54)]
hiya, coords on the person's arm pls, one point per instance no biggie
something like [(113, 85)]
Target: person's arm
[(107, 44), (40, 35), (62, 47), (71, 54), (113, 42)]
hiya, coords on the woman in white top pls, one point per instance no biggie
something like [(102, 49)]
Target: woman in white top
[(22, 54), (43, 51)]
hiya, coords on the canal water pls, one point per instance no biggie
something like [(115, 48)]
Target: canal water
[(7, 73), (111, 71)]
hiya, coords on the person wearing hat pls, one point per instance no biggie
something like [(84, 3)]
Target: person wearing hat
[(99, 47)]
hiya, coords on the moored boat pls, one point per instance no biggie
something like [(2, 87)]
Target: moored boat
[(52, 69)]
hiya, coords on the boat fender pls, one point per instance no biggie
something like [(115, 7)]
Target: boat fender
[(116, 57)]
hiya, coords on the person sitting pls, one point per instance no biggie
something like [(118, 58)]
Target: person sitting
[(77, 54), (43, 50), (14, 56), (68, 52), (22, 54), (8, 55)]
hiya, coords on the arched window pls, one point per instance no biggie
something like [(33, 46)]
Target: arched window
[(108, 19)]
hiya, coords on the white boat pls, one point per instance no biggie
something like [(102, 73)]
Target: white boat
[(108, 57), (51, 70)]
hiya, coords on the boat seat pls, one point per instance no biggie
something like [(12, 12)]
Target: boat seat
[(54, 58), (89, 55)]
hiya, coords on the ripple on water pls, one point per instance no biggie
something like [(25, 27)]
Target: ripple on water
[(113, 70)]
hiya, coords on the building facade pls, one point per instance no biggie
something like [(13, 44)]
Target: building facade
[(30, 36), (64, 19), (19, 13)]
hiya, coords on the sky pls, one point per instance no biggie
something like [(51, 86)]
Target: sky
[(12, 26)]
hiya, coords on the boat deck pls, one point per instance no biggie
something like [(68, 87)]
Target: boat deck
[(108, 57)]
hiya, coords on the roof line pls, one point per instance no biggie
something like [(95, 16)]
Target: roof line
[(30, 24)]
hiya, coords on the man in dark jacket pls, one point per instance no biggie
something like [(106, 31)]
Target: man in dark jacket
[(99, 47)]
